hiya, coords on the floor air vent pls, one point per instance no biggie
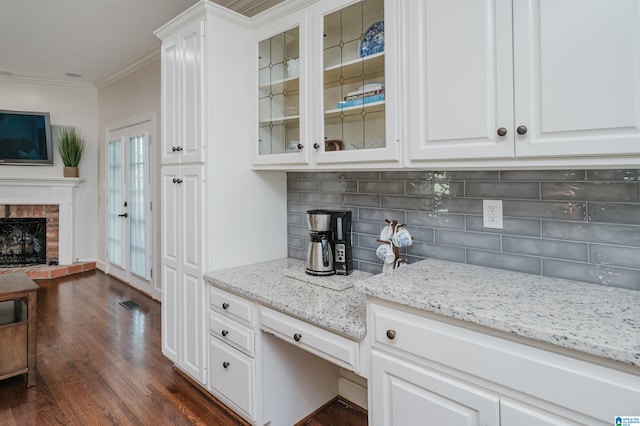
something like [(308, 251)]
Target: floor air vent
[(129, 304)]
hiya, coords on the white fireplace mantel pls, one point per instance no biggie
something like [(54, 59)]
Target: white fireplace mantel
[(42, 190)]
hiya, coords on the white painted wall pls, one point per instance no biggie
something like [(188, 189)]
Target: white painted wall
[(68, 104), (134, 94)]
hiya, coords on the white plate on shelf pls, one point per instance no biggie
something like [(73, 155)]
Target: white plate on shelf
[(373, 41)]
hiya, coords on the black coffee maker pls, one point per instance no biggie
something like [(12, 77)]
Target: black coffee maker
[(341, 223), (329, 250)]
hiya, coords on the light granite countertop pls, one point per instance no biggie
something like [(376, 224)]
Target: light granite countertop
[(283, 285), (599, 320)]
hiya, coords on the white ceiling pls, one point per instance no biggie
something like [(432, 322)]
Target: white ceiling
[(44, 39)]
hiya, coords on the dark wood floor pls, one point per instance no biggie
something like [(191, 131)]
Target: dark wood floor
[(100, 364)]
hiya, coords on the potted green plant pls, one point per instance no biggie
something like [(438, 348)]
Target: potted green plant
[(70, 148)]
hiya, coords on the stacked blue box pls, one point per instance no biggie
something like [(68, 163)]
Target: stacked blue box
[(361, 101)]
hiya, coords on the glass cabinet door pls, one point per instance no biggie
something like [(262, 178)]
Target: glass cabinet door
[(279, 95), (354, 82)]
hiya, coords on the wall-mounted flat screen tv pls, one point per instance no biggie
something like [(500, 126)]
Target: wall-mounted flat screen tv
[(25, 138)]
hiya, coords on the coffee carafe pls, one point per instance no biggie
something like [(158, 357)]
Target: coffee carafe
[(320, 250)]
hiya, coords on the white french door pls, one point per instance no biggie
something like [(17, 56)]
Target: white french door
[(129, 247)]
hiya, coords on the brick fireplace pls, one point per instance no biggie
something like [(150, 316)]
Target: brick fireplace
[(44, 197), (49, 212)]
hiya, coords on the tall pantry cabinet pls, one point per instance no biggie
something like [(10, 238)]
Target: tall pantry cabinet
[(210, 197)]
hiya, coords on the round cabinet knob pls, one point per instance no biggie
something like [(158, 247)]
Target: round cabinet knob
[(173, 149), (178, 148), (522, 130), (225, 364), (225, 305), (297, 337), (224, 333), (502, 131), (391, 334), (300, 146), (316, 145)]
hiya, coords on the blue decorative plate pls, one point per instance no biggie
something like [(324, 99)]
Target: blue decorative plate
[(373, 41)]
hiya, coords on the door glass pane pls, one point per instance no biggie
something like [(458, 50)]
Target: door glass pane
[(137, 200), (279, 93), (114, 222), (353, 77)]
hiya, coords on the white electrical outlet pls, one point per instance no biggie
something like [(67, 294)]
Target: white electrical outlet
[(492, 214)]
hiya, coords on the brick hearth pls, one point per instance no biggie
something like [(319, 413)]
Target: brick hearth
[(47, 272)]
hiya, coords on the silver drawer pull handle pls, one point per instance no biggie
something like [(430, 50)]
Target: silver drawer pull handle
[(297, 337), (224, 333), (225, 364), (391, 334), (225, 305)]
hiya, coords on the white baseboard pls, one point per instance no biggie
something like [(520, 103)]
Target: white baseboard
[(353, 392), (101, 265)]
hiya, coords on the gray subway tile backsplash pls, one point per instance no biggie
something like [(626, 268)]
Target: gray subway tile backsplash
[(590, 273), (626, 257), (435, 220), (623, 175), (524, 227), (592, 232), (575, 224), (511, 262), (543, 175), (468, 239), (615, 213), (408, 203), (501, 190), (546, 248), (378, 187), (590, 191)]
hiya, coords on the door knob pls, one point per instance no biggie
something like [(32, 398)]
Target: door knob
[(522, 130), (225, 364), (316, 145), (123, 215), (176, 180), (502, 131)]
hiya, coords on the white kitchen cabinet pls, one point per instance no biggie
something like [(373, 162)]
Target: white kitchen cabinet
[(205, 224), (182, 268), (407, 394), (233, 375), (419, 356), (303, 121), (183, 61), (532, 79)]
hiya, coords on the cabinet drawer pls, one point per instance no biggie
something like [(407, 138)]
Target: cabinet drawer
[(232, 306), (325, 344), (228, 331), (232, 378), (543, 374)]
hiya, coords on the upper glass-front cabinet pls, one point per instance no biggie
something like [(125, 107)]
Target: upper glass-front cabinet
[(358, 77), (279, 94), (353, 77), (327, 90)]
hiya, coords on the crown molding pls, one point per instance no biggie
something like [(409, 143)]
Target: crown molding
[(150, 57), (51, 83)]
